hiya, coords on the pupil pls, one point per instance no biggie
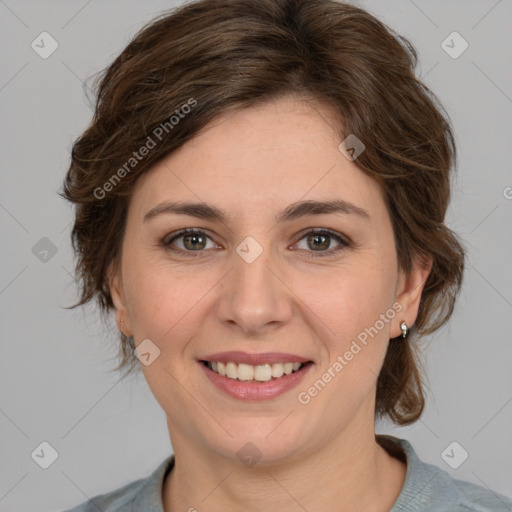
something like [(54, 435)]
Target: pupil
[(193, 237), (320, 244)]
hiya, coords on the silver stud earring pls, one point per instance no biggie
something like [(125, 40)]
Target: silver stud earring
[(404, 329)]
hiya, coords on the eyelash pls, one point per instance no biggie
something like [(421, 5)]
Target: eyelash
[(344, 242)]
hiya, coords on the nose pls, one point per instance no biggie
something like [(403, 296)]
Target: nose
[(255, 296)]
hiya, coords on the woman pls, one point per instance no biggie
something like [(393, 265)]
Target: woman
[(260, 201)]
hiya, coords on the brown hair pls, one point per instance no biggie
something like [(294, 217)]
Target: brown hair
[(220, 55)]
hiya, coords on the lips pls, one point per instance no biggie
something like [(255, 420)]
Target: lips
[(268, 380)]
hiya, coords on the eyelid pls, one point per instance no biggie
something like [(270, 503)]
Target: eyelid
[(343, 240), (170, 238)]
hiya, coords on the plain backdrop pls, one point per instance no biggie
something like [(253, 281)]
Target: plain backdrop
[(55, 384)]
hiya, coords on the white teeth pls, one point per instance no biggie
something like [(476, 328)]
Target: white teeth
[(231, 371), (263, 372), (277, 370), (247, 372)]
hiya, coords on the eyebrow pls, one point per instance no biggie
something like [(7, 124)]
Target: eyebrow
[(292, 212)]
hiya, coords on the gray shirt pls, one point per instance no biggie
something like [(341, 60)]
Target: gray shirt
[(427, 488)]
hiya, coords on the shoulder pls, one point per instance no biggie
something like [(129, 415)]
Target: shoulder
[(428, 488), (477, 498), (142, 494), (119, 500)]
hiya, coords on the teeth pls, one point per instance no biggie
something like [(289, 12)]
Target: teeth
[(247, 372), (263, 372), (231, 371), (277, 370), (244, 372)]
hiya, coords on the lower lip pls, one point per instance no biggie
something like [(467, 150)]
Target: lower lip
[(256, 391)]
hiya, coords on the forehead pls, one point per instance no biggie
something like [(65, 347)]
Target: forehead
[(261, 159)]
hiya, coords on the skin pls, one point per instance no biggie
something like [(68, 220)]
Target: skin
[(252, 164)]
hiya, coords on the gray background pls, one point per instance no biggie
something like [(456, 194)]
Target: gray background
[(55, 384)]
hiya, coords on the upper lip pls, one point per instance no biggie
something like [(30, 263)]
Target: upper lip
[(238, 357)]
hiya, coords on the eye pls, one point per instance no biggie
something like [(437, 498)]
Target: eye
[(192, 240), (319, 240)]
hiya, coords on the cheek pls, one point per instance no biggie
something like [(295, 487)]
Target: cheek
[(166, 302), (351, 299), (356, 305)]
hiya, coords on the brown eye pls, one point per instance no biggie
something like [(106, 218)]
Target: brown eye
[(190, 240), (194, 241), (187, 240), (320, 241)]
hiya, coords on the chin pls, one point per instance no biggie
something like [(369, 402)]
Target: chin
[(261, 441)]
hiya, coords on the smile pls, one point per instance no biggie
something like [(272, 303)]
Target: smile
[(247, 372), (262, 381)]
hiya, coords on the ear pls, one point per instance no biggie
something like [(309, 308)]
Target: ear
[(409, 290), (115, 283)]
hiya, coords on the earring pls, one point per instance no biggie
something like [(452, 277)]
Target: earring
[(405, 329)]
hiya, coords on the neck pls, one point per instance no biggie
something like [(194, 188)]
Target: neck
[(351, 473)]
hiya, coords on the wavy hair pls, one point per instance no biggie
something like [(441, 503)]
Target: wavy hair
[(230, 54)]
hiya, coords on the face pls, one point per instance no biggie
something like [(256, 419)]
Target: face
[(271, 282)]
